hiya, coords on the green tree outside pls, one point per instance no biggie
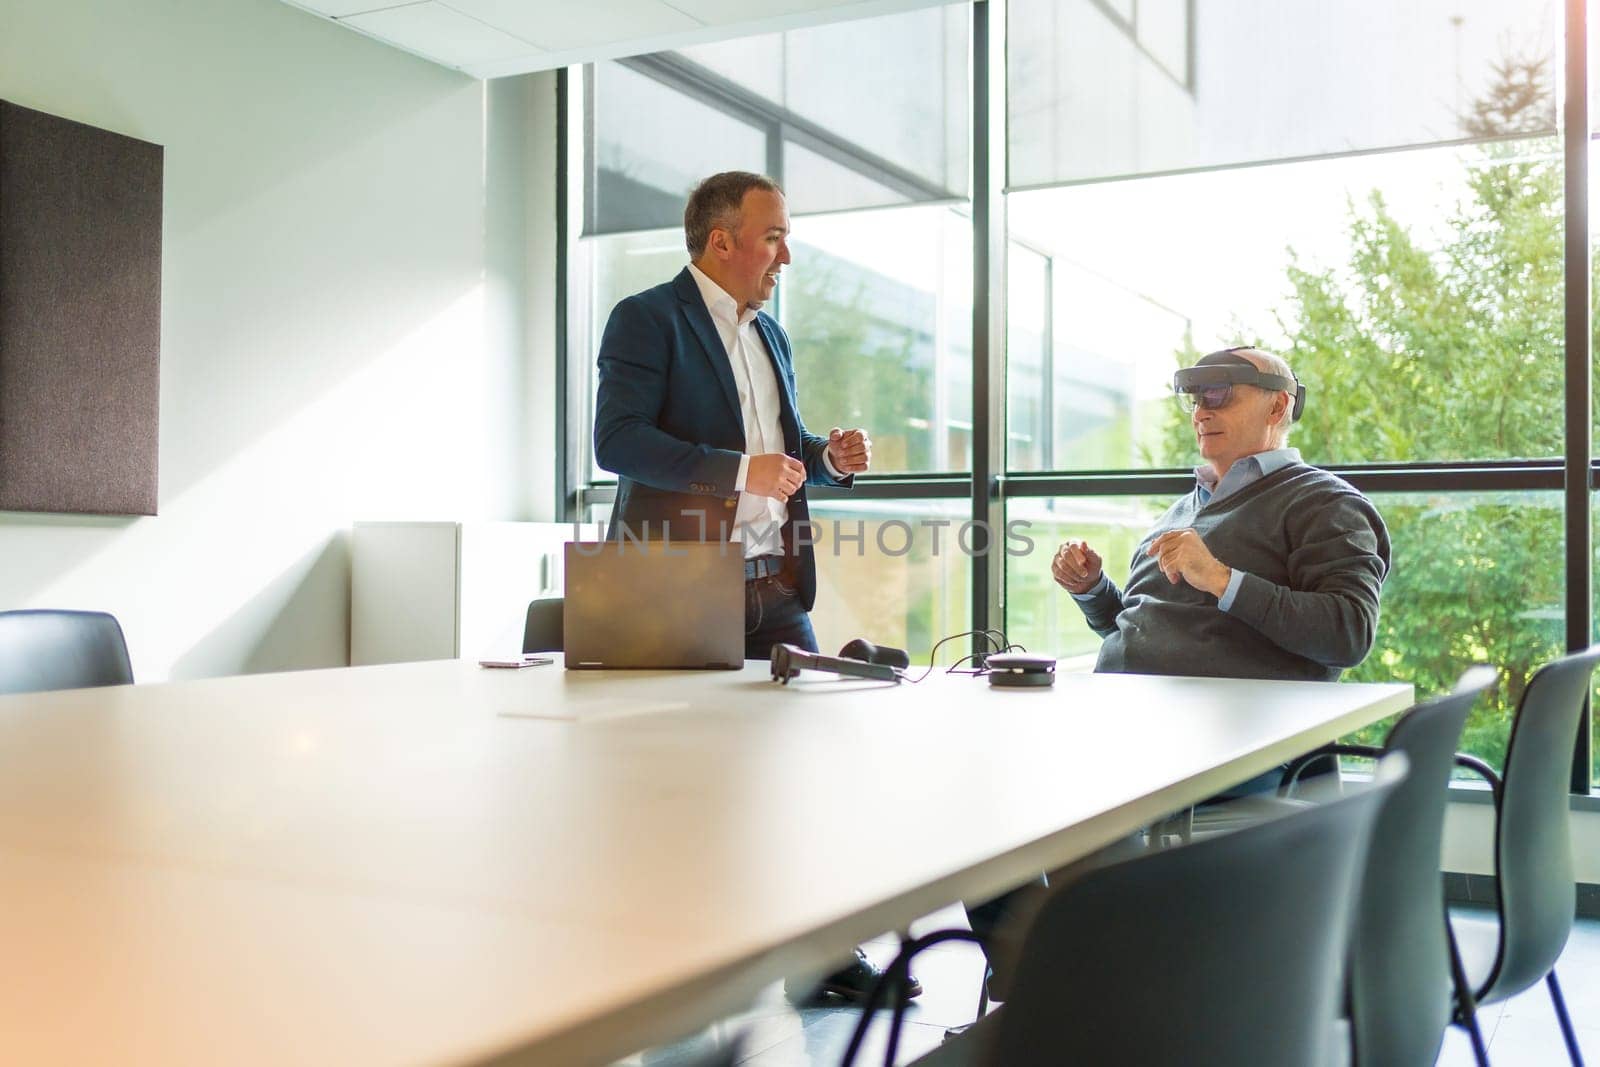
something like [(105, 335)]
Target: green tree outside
[(1415, 353)]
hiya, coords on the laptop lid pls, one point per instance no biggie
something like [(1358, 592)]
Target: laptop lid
[(659, 604)]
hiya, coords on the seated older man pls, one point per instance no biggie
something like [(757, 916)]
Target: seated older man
[(1269, 568)]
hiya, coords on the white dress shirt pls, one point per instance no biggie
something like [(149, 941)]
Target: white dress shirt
[(762, 517)]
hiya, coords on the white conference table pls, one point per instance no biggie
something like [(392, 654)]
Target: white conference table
[(438, 863)]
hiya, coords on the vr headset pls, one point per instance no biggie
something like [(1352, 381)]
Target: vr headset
[(1209, 383)]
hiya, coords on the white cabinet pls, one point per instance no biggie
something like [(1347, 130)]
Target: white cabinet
[(441, 590)]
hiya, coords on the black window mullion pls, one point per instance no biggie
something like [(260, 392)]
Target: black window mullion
[(591, 170), (1579, 405), (1514, 476), (988, 313), (775, 152), (566, 464)]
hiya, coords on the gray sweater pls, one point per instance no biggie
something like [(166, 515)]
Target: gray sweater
[(1314, 552)]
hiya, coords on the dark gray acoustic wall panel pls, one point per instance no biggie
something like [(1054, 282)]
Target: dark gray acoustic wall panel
[(80, 316)]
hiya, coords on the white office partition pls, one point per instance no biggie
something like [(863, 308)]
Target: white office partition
[(441, 590)]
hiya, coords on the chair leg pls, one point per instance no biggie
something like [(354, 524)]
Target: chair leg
[(1466, 1003), (1480, 1053), (1567, 1032), (953, 1032)]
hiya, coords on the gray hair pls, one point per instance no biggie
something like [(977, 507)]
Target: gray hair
[(715, 204)]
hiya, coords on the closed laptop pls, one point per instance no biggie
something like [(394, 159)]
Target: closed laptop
[(657, 604)]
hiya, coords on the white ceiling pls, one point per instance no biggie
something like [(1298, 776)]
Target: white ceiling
[(493, 38)]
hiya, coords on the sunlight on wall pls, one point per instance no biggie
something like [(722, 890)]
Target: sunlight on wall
[(404, 437)]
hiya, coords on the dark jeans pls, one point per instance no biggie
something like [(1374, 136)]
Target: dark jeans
[(773, 615)]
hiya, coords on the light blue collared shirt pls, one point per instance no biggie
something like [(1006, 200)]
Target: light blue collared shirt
[(1246, 471)]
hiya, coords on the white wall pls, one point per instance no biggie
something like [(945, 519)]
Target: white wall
[(345, 329), (1469, 841)]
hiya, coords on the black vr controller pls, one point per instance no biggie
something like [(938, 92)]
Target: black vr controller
[(863, 649), (858, 659)]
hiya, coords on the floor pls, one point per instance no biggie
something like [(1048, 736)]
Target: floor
[(1521, 1032)]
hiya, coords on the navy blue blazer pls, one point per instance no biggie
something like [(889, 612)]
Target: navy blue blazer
[(667, 422)]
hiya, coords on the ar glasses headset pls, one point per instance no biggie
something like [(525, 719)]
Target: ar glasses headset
[(1209, 383)]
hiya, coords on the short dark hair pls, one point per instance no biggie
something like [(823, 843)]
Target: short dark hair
[(715, 204)]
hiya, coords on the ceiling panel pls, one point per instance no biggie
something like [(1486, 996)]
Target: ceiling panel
[(578, 25), (341, 8), (735, 11), (492, 38), (442, 34)]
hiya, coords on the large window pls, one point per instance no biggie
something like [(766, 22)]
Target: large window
[(1398, 237), (879, 306), (877, 300), (1429, 278), (1477, 578), (1375, 191), (1091, 97), (787, 104), (891, 570)]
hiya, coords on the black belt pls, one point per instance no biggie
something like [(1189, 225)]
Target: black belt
[(763, 567)]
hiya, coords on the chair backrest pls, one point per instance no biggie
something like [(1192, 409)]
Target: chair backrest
[(42, 650), (1228, 950), (1533, 853), (1399, 991), (542, 631)]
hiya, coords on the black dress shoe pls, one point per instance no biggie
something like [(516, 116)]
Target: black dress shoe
[(852, 984)]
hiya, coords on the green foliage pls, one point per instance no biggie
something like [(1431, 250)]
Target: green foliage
[(855, 369), (1453, 351)]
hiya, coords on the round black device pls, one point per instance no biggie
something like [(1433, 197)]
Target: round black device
[(1020, 670)]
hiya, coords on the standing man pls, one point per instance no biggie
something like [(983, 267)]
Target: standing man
[(697, 410), (698, 416)]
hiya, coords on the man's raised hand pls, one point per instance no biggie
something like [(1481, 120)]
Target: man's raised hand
[(850, 451), (1076, 567), (774, 474), (1184, 557)]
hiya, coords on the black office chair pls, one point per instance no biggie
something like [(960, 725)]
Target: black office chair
[(1537, 889), (542, 632), (42, 650), (1399, 982), (1244, 932)]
